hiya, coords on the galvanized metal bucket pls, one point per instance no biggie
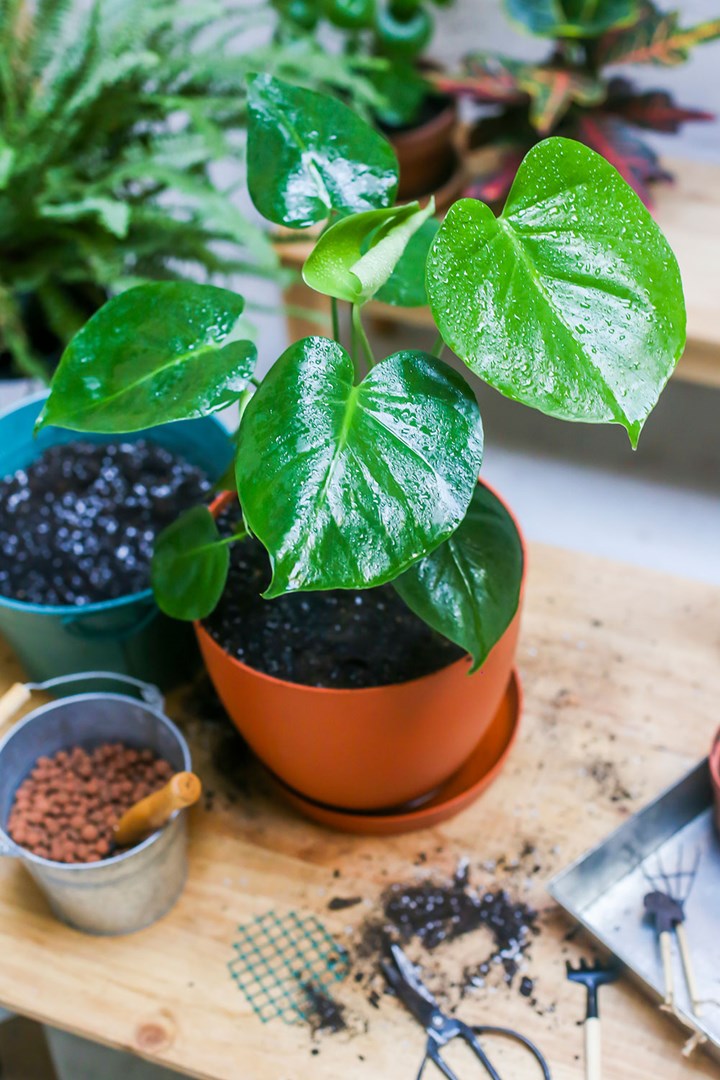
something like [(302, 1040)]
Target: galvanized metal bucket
[(128, 891)]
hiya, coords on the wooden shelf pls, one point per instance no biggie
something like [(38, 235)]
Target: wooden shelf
[(622, 682), (689, 213)]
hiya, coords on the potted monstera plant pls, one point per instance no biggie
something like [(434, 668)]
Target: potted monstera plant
[(390, 578)]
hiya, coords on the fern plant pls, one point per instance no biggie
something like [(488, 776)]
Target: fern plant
[(112, 114)]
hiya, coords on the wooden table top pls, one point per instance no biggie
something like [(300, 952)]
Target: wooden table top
[(621, 676)]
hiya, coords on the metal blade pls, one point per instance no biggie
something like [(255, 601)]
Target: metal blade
[(407, 985)]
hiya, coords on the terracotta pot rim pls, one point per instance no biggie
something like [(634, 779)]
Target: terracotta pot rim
[(222, 499)]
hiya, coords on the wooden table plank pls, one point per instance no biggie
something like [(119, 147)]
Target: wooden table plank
[(689, 213), (622, 680)]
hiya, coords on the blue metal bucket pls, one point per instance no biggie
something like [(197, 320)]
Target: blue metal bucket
[(128, 635)]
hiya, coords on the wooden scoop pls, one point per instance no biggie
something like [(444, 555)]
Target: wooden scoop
[(151, 813)]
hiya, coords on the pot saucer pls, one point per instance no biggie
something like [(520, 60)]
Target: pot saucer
[(478, 772)]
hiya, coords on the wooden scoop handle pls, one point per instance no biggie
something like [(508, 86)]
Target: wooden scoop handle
[(12, 700), (151, 813)]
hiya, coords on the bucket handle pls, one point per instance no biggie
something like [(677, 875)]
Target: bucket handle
[(19, 693), (75, 625), (8, 849)]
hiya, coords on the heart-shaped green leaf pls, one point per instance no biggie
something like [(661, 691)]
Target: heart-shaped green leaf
[(190, 565), (468, 589), (156, 353), (309, 154), (406, 287), (347, 485), (570, 302), (572, 18), (356, 256)]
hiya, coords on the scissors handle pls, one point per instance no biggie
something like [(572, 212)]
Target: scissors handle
[(508, 1033), (469, 1035)]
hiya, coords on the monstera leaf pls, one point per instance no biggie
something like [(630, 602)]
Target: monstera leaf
[(356, 256), (406, 287), (309, 154), (634, 159), (468, 589), (164, 351), (347, 485), (190, 565), (572, 18), (571, 300)]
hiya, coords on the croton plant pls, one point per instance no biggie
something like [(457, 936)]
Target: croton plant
[(355, 471), (571, 93)]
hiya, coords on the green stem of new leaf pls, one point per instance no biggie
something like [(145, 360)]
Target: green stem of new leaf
[(438, 346), (335, 319), (240, 535), (360, 336)]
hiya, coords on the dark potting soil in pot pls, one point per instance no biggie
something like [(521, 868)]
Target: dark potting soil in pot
[(78, 525), (345, 639)]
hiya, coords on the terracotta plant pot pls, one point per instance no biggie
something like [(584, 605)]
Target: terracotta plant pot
[(427, 154), (715, 777), (363, 749)]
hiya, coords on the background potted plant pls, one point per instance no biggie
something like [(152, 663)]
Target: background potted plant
[(111, 115), (572, 94), (358, 479), (392, 38)]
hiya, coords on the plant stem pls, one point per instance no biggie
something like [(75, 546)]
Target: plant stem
[(360, 336), (335, 319), (437, 346)]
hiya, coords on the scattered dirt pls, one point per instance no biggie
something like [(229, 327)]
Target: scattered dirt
[(323, 1012), (339, 903), (462, 936), (607, 777), (67, 808)]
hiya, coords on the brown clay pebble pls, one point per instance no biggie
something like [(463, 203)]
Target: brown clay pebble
[(68, 806)]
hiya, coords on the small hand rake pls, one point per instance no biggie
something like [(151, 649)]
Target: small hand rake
[(592, 978), (666, 906)]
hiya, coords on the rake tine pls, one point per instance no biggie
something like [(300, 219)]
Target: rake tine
[(651, 880), (693, 872), (663, 874)]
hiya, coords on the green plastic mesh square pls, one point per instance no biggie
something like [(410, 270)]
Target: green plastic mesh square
[(279, 957)]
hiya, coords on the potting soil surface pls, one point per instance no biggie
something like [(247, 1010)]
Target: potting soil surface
[(341, 639), (78, 525)]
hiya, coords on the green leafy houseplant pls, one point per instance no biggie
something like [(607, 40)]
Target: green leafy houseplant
[(571, 93), (353, 472), (390, 35), (112, 113)]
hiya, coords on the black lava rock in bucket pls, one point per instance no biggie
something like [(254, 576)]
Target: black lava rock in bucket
[(78, 525)]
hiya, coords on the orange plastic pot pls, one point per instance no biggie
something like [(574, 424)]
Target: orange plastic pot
[(715, 777), (364, 749)]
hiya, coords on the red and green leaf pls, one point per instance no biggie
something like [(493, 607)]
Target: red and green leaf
[(553, 90), (636, 162), (493, 187), (656, 111), (655, 39), (490, 79)]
